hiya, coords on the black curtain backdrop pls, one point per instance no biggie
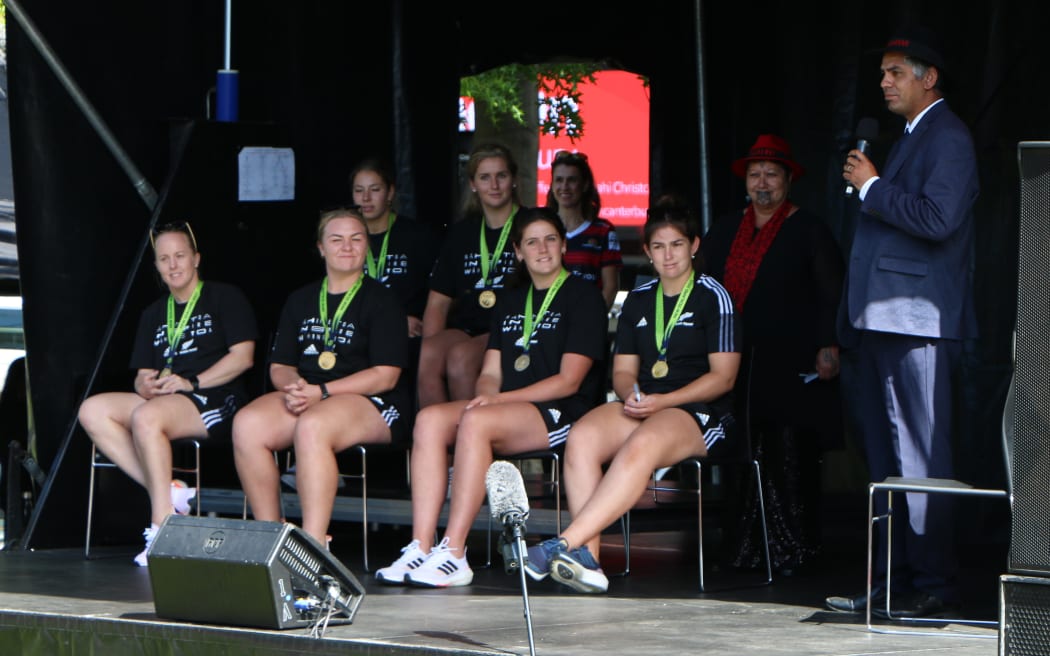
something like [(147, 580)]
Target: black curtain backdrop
[(338, 81)]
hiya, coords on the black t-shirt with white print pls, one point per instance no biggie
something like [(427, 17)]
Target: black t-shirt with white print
[(575, 322), (706, 325), (457, 273), (221, 318), (410, 256), (370, 333)]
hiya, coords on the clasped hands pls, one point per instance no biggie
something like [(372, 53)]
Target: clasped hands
[(153, 386), (640, 406), (300, 395)]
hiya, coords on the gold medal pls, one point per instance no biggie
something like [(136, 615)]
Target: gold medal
[(165, 372), (660, 369), (522, 363), (487, 299), (326, 360)]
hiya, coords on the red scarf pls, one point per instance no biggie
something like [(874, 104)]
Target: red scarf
[(748, 249)]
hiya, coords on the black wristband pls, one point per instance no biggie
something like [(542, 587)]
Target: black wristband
[(195, 382), (324, 391)]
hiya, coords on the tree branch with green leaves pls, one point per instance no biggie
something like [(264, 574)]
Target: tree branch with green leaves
[(559, 95)]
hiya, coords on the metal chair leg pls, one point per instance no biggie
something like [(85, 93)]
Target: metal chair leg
[(762, 514), (91, 499), (364, 502), (96, 464), (926, 486), (656, 488)]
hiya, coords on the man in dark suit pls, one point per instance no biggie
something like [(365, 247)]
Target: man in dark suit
[(906, 309)]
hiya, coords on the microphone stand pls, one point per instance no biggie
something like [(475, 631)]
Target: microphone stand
[(514, 531)]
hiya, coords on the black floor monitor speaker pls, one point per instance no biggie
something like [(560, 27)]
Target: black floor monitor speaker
[(1024, 615), (267, 575), (1030, 526)]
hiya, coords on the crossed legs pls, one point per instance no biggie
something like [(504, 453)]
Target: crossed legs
[(136, 434), (633, 449)]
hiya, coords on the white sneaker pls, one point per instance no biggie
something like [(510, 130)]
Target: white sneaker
[(411, 558), (441, 569), (149, 534), (180, 497)]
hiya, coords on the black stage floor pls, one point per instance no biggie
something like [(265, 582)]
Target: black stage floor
[(56, 602)]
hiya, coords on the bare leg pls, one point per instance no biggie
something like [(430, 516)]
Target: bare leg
[(322, 431), (431, 375), (464, 366), (665, 438), (434, 434), (483, 432), (260, 428), (593, 442), (153, 425), (106, 418)]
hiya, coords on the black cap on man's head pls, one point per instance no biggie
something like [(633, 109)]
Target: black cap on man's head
[(918, 43)]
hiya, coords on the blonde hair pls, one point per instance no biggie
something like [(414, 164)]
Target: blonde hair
[(471, 205), (338, 213)]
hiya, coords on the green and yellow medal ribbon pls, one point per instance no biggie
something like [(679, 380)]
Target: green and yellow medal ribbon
[(322, 301), (175, 330), (663, 335), (376, 266), (487, 262), (530, 320)]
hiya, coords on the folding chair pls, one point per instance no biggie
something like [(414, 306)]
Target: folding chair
[(100, 461), (697, 464), (362, 475), (894, 484)]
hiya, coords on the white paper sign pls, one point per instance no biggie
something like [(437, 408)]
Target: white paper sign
[(265, 174)]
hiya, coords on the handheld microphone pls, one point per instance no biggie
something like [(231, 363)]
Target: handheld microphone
[(867, 131), (508, 501)]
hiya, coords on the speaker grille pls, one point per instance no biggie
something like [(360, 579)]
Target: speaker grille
[(1025, 620), (246, 573), (1030, 532), (298, 559)]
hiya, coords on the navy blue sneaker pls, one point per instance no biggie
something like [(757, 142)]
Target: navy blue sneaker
[(538, 560), (579, 570)]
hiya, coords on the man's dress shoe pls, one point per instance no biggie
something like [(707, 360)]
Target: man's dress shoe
[(856, 603), (910, 606)]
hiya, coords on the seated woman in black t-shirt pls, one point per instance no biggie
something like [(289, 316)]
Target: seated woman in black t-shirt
[(542, 370), (469, 276), (191, 348), (336, 368), (677, 356)]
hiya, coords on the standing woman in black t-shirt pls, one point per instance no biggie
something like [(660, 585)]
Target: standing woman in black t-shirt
[(542, 371), (335, 365), (191, 348), (401, 250), (677, 356), (468, 277)]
